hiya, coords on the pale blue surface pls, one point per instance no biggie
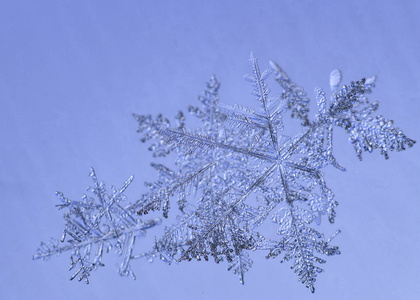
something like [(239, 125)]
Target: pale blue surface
[(72, 72)]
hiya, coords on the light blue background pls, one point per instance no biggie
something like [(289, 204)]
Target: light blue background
[(72, 72)]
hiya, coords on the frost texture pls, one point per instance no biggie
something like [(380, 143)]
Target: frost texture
[(238, 171)]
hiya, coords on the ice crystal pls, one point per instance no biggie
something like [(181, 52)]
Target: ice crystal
[(94, 226), (238, 171)]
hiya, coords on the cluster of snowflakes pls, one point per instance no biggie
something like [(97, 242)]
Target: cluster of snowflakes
[(233, 174)]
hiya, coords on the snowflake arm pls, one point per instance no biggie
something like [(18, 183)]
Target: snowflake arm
[(295, 96)]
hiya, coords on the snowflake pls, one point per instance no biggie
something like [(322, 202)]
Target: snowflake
[(244, 172), (95, 227)]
